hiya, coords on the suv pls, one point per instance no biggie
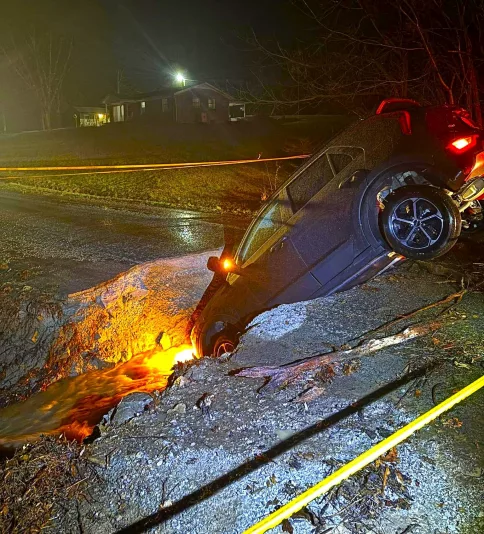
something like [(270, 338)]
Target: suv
[(390, 187)]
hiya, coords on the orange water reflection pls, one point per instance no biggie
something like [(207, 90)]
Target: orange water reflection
[(73, 406)]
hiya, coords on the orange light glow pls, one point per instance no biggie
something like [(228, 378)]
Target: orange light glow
[(73, 406), (184, 355), (228, 264), (478, 168)]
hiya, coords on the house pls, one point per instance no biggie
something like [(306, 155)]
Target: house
[(90, 116), (198, 103)]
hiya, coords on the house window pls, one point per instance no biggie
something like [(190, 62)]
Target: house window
[(164, 105), (143, 107), (211, 103), (118, 113), (196, 102)]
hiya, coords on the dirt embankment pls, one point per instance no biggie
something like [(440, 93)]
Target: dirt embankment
[(66, 355)]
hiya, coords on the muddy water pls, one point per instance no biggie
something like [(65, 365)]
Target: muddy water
[(73, 406)]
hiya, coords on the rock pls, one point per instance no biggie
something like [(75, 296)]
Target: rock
[(130, 406), (179, 408), (284, 434), (181, 382)]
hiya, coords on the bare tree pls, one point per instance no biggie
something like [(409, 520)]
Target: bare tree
[(355, 51), (42, 63)]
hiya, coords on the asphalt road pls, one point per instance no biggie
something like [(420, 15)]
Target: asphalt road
[(75, 246)]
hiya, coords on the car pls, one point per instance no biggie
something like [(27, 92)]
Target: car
[(390, 187)]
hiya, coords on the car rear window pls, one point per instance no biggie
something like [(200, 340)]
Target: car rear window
[(309, 182)]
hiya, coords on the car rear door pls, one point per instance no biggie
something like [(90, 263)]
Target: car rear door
[(271, 267), (321, 200)]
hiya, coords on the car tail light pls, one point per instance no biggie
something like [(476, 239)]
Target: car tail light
[(462, 144)]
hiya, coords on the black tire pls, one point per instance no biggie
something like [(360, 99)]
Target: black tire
[(420, 222)]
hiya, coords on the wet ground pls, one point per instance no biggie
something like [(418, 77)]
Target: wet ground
[(76, 246)]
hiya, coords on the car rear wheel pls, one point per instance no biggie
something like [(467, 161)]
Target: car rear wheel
[(420, 222)]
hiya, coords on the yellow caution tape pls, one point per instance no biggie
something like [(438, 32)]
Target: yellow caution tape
[(286, 511), (153, 165)]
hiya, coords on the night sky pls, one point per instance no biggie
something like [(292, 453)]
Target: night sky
[(147, 40)]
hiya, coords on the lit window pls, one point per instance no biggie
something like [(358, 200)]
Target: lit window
[(196, 102), (164, 105), (143, 107), (211, 103)]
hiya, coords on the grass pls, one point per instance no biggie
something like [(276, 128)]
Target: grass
[(227, 189)]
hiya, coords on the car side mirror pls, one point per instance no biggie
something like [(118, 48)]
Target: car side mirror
[(213, 264), (223, 265)]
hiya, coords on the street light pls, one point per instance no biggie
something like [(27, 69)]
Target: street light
[(180, 78)]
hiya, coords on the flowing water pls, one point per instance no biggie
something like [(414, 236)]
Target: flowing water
[(73, 406)]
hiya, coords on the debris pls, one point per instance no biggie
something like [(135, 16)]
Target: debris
[(284, 434), (42, 478), (310, 394), (279, 376), (271, 481), (181, 382), (391, 456), (477, 472), (165, 341), (385, 479), (130, 406), (287, 527), (453, 422), (454, 298), (205, 402)]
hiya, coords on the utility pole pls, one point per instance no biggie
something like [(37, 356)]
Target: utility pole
[(119, 80)]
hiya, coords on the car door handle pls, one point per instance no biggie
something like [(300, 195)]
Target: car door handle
[(278, 245)]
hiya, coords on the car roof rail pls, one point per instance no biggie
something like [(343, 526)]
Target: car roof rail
[(396, 104)]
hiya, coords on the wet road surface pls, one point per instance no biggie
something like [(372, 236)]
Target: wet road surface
[(76, 246)]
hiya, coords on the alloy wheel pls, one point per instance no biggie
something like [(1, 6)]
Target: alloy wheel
[(416, 222)]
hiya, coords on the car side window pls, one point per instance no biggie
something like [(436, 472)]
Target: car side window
[(309, 182), (266, 225), (340, 161)]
